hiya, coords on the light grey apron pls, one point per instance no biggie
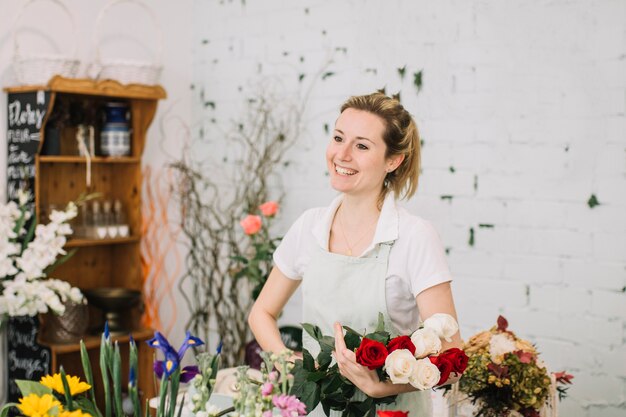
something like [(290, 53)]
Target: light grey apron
[(351, 291)]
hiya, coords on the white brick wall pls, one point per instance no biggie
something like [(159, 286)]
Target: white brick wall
[(524, 100)]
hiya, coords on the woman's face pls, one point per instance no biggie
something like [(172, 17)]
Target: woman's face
[(356, 153)]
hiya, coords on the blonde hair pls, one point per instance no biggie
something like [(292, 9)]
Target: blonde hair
[(401, 138)]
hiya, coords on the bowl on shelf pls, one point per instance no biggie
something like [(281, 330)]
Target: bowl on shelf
[(116, 304)]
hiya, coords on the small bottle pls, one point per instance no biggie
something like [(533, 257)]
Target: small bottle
[(108, 220), (97, 221), (120, 219)]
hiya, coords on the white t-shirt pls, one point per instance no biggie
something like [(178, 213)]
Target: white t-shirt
[(416, 262)]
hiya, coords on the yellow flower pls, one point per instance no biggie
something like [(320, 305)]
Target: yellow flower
[(54, 382), (75, 413), (35, 406)]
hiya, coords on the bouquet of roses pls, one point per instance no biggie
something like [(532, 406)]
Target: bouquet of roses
[(415, 360)]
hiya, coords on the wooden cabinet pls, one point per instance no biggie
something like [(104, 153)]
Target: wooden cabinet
[(61, 178)]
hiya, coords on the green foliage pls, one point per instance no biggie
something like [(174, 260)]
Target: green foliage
[(593, 201), (417, 80), (324, 384)]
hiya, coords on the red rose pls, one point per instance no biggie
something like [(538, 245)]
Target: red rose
[(371, 353), (444, 365), (401, 342), (389, 413), (458, 358)]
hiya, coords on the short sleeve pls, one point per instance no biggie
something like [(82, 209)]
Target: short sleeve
[(427, 260), (287, 253)]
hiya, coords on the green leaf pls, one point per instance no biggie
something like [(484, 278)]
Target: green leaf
[(4, 411), (471, 238), (308, 362), (316, 376), (60, 261), (312, 330), (66, 390), (417, 80), (86, 405), (382, 337), (32, 387), (401, 72), (593, 201), (332, 385), (327, 342), (324, 359), (310, 395), (351, 330), (327, 74), (352, 341)]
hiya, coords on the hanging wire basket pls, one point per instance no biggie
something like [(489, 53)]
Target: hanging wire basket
[(37, 69), (128, 71)]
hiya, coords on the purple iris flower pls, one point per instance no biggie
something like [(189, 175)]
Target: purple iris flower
[(173, 358)]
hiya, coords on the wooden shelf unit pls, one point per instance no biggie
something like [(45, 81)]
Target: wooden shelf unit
[(60, 179)]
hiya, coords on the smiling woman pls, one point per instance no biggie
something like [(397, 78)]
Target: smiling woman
[(363, 254)]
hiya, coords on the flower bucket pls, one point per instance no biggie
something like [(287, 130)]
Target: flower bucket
[(128, 71), (69, 327), (38, 69)]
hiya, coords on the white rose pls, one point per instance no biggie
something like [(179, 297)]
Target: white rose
[(426, 342), (425, 375), (444, 324), (400, 365), (499, 345)]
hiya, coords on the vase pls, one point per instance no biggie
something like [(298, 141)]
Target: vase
[(4, 360), (115, 134), (69, 327)]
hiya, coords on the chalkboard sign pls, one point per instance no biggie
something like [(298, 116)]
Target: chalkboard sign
[(27, 359), (26, 113)]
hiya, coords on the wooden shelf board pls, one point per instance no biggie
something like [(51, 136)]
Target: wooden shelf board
[(77, 243), (106, 88), (83, 160), (93, 341)]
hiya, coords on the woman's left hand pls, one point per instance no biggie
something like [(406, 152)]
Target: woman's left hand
[(365, 379)]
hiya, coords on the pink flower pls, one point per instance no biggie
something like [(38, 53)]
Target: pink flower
[(269, 208), (267, 388), (268, 413), (251, 224), (289, 406), (273, 376)]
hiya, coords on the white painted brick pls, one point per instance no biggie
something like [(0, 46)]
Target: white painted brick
[(490, 291), (597, 389), (611, 190), (437, 155), (561, 243), (532, 269), (609, 246), (579, 357), (476, 316), (560, 299), (472, 212), (505, 239), (536, 214), (443, 182), (532, 324), (475, 263), (593, 274), (552, 352), (611, 304), (607, 411), (594, 331), (612, 362), (570, 406)]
